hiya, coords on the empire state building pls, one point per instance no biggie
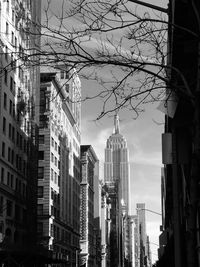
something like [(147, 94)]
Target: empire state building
[(116, 166)]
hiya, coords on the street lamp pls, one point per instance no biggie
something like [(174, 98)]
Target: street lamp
[(150, 211)]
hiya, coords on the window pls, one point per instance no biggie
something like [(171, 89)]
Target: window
[(20, 141), (6, 53), (5, 76), (17, 212), (12, 157), (17, 138), (55, 161), (40, 172), (11, 107), (56, 146), (40, 228), (40, 209), (15, 42), (52, 141), (67, 88), (4, 125), (11, 83), (52, 194), (7, 28), (13, 15), (1, 205), (67, 74), (2, 175), (40, 191), (9, 154), (41, 155), (7, 6), (9, 208), (55, 177), (5, 101), (10, 130), (62, 73), (11, 180), (8, 178), (41, 139), (52, 157), (12, 38), (13, 133), (3, 149)]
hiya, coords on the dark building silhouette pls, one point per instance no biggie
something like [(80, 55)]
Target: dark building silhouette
[(87, 219), (180, 238)]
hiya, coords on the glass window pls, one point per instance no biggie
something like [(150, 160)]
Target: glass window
[(7, 28), (3, 149), (51, 174), (40, 228), (4, 125), (40, 209), (10, 130), (40, 172), (41, 139), (62, 73), (2, 175), (5, 101), (5, 76), (9, 208), (10, 107), (40, 191), (41, 155), (6, 53)]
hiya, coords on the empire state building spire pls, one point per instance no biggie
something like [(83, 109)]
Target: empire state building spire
[(116, 124)]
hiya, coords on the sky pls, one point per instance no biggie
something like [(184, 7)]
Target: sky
[(143, 137)]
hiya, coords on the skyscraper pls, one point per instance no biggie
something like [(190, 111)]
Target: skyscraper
[(19, 85), (116, 166), (116, 178)]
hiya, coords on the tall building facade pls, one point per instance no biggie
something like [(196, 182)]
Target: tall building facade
[(87, 222), (58, 202), (19, 85), (105, 227), (142, 250), (116, 178)]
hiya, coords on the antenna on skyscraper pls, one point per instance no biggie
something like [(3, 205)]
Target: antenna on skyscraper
[(116, 122)]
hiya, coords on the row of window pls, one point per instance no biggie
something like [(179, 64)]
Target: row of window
[(55, 197), (11, 105), (55, 160), (12, 210), (55, 145), (55, 177), (57, 232), (14, 159), (13, 182), (22, 31), (54, 211), (14, 136)]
